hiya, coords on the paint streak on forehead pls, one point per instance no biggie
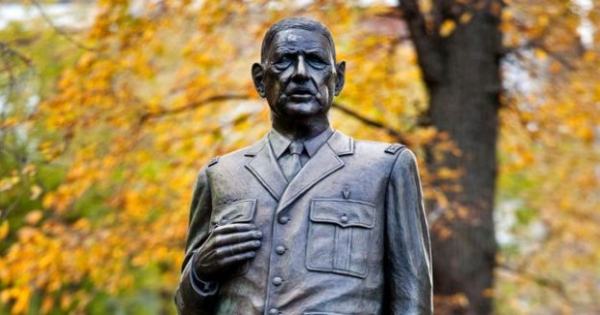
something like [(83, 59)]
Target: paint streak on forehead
[(291, 37), (294, 40)]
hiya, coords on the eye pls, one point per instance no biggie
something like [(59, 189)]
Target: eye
[(282, 62), (316, 62)]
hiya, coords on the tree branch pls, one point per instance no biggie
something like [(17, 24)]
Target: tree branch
[(60, 31), (370, 122), (426, 45), (551, 284), (6, 54), (5, 49), (539, 45), (538, 42), (194, 105), (228, 97)]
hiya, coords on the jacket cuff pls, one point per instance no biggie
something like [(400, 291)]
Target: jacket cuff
[(195, 296), (201, 287)]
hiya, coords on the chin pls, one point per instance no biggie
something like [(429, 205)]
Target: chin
[(303, 109)]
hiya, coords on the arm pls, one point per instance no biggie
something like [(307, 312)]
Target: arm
[(194, 297), (407, 248), (209, 254)]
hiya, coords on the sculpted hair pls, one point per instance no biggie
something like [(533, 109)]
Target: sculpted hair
[(294, 23)]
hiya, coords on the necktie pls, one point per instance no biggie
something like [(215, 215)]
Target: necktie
[(291, 164)]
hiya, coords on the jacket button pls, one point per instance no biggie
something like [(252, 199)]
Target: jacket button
[(280, 250), (284, 219), (344, 218), (277, 281), (273, 311)]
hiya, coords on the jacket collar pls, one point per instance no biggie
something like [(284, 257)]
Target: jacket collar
[(279, 143), (340, 143), (263, 165)]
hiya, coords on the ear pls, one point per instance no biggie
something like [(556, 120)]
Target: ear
[(258, 74), (341, 75)]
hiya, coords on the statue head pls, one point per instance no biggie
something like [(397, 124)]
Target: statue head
[(298, 73)]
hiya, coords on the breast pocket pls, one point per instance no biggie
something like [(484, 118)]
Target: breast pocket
[(241, 211), (339, 233)]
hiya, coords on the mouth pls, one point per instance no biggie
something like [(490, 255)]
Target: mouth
[(300, 96)]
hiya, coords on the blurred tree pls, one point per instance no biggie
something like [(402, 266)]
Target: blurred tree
[(459, 46)]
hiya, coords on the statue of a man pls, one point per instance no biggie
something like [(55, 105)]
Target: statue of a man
[(307, 220)]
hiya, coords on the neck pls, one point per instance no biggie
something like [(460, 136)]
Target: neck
[(301, 129)]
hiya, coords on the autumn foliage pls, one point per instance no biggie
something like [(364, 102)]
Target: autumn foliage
[(103, 130)]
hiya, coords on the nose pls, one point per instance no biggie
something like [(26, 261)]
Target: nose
[(300, 69)]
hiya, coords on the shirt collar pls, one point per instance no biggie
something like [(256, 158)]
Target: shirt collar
[(279, 143)]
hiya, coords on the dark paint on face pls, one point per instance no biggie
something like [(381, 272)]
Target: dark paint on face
[(299, 74)]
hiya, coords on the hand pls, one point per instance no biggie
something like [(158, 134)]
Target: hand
[(225, 246)]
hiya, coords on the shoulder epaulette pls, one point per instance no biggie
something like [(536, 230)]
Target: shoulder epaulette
[(394, 148), (214, 161)]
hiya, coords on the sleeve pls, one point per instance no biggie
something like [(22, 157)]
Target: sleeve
[(407, 248), (194, 296)]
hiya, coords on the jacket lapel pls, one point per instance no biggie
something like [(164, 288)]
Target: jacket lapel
[(265, 168), (324, 163)]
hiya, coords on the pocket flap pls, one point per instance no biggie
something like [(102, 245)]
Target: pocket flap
[(343, 212), (238, 212)]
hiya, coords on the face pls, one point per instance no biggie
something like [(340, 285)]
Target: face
[(299, 77)]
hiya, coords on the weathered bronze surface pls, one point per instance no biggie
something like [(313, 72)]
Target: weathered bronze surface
[(307, 220)]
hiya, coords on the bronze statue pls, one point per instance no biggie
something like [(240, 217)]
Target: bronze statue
[(307, 220)]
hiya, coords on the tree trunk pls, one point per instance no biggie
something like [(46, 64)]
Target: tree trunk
[(461, 71)]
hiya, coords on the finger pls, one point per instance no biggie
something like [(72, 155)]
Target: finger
[(239, 237), (237, 258), (234, 227), (232, 250)]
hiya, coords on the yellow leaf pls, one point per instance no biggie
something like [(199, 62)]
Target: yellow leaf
[(466, 17), (4, 230), (590, 56), (426, 6), (33, 217), (540, 53), (9, 122), (36, 191), (8, 183), (543, 20), (22, 301), (29, 170), (447, 28)]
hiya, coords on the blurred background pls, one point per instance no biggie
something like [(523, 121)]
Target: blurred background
[(109, 108)]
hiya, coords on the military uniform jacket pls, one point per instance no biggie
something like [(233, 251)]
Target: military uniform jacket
[(347, 235)]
